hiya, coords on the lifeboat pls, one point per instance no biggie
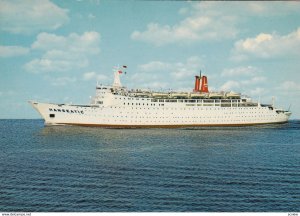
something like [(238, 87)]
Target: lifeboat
[(160, 95), (179, 95), (216, 95), (233, 95), (199, 95), (142, 94)]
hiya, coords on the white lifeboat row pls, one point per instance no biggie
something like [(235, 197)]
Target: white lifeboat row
[(183, 95)]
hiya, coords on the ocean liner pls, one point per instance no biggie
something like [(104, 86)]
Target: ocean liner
[(117, 106)]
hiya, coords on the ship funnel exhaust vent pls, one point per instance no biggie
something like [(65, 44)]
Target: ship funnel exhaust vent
[(197, 84), (204, 84)]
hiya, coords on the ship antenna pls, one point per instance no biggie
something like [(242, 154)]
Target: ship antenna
[(200, 82), (273, 101), (289, 107)]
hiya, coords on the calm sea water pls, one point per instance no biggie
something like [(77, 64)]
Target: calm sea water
[(198, 169)]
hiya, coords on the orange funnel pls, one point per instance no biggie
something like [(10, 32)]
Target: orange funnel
[(204, 84)]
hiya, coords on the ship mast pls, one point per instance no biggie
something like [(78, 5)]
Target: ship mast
[(117, 81)]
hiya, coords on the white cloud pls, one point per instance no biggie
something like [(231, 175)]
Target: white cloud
[(91, 16), (230, 85), (158, 74), (211, 21), (61, 81), (250, 8), (243, 79), (258, 91), (258, 79), (31, 16), (93, 76), (254, 80), (183, 11), (289, 86), (154, 66), (240, 71), (88, 42), (199, 25), (89, 75), (63, 53), (194, 28), (268, 46), (267, 9), (11, 51), (53, 65), (176, 69), (191, 67), (246, 86)]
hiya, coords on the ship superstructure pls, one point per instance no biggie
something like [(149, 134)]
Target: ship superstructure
[(116, 106)]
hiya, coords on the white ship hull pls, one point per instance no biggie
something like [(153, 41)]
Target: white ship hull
[(153, 115), (115, 106)]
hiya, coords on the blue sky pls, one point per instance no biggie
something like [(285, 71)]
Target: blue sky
[(55, 51)]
